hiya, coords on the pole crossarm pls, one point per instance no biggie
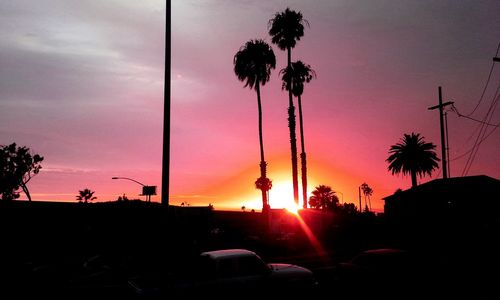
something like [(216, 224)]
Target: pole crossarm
[(441, 105)]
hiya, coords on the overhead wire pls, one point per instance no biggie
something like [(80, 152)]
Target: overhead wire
[(481, 135), (486, 85)]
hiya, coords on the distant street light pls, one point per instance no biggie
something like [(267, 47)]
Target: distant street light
[(147, 190)]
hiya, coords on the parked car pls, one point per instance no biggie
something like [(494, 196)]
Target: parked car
[(239, 273), (382, 273)]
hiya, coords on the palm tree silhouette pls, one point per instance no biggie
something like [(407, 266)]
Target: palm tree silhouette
[(85, 195), (367, 191), (414, 156), (286, 28), (323, 198), (253, 64), (294, 78)]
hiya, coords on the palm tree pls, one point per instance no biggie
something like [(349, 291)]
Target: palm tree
[(286, 28), (412, 155), (85, 195), (323, 198), (367, 191), (294, 78), (253, 64)]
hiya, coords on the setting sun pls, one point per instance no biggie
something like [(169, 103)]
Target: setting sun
[(281, 195)]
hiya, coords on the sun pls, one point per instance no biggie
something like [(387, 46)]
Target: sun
[(281, 196)]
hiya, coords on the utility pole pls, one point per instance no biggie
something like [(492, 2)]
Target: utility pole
[(441, 122), (165, 170), (359, 193)]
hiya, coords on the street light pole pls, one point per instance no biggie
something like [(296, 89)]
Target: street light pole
[(359, 194), (147, 190), (129, 179)]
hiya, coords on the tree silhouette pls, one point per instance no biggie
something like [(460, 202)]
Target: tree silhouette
[(367, 192), (323, 198), (293, 78), (85, 195), (253, 64), (17, 167), (414, 156), (286, 28)]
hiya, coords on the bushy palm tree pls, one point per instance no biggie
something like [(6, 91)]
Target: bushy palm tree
[(412, 156), (253, 64), (85, 195), (286, 28), (323, 198), (293, 78)]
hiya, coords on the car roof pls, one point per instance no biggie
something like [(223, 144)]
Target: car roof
[(383, 251), (228, 252)]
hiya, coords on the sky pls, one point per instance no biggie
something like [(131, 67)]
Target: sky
[(81, 83)]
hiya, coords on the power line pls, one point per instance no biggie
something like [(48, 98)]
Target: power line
[(481, 135), (486, 85), (480, 142), (454, 109)]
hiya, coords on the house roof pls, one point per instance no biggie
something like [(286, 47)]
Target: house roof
[(480, 182)]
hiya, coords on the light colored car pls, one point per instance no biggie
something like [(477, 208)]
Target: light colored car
[(229, 274), (244, 272)]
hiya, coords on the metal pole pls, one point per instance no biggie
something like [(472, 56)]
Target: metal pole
[(165, 174)]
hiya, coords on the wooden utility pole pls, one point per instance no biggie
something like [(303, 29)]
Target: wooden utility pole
[(441, 105)]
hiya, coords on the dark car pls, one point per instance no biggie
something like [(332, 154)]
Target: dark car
[(383, 273)]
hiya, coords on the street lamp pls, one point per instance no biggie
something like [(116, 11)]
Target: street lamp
[(147, 190)]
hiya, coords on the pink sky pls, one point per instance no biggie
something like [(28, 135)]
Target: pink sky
[(81, 83)]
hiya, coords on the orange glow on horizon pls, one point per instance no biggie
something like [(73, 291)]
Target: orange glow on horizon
[(238, 190)]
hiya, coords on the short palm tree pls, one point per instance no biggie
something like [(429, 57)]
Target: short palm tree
[(323, 198), (286, 28), (414, 156), (294, 78), (85, 195), (253, 64)]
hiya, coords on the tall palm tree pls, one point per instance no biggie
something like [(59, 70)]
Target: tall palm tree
[(286, 28), (294, 78), (367, 191), (414, 156), (85, 195), (253, 64), (323, 198)]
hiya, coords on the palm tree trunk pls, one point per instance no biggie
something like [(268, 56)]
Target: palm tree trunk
[(303, 158), (263, 164), (413, 179), (293, 138)]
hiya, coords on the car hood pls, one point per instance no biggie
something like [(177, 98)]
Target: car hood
[(288, 269)]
